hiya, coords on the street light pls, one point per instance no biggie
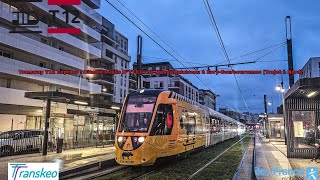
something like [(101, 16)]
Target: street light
[(282, 90), (271, 104)]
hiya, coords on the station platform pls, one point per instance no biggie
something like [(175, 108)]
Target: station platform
[(68, 160), (268, 157), (295, 162), (270, 154)]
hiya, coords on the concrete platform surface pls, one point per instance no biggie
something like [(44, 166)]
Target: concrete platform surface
[(68, 160), (269, 157)]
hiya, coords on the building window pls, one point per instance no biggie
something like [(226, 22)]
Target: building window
[(5, 54), (125, 45), (121, 43), (125, 93), (44, 41), (121, 82), (42, 64), (157, 68), (125, 83), (304, 125), (8, 83), (121, 62), (163, 121), (319, 65), (120, 92), (125, 65)]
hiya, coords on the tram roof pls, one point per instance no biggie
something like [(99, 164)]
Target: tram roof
[(156, 92)]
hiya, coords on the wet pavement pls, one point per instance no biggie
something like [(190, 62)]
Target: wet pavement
[(68, 160)]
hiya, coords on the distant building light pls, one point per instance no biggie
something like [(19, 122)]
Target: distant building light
[(81, 102), (311, 94), (115, 107)]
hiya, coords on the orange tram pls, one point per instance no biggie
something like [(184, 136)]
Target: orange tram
[(155, 124)]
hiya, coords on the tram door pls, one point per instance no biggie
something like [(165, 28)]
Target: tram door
[(162, 127), (208, 133)]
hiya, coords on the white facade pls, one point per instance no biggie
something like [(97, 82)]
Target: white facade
[(114, 55), (311, 69), (43, 51)]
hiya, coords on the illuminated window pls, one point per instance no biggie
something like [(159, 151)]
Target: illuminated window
[(304, 128)]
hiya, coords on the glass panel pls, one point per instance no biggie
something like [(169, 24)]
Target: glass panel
[(163, 122), (304, 129), (137, 114)]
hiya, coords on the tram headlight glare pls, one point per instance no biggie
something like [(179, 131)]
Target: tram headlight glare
[(120, 139), (141, 139)]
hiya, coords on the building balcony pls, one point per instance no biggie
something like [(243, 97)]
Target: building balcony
[(18, 41), (103, 79), (157, 86), (104, 46), (132, 78), (65, 38), (16, 97), (132, 86), (174, 85), (43, 9), (98, 66), (87, 14), (11, 67)]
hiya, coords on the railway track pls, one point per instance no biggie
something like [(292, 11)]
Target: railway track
[(187, 168)]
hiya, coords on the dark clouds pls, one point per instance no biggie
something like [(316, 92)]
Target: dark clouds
[(245, 26)]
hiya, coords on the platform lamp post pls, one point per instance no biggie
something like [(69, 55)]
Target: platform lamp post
[(281, 89), (270, 103)]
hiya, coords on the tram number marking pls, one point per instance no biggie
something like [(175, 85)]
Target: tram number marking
[(127, 161)]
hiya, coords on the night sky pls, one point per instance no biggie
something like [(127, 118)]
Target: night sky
[(245, 26)]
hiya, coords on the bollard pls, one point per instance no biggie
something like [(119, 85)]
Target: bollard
[(59, 145)]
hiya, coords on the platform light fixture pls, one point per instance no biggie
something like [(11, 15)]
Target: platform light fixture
[(115, 107), (311, 94), (81, 102)]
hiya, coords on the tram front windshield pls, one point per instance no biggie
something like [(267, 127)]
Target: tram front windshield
[(137, 113)]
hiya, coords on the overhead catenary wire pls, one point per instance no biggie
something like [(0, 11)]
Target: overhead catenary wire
[(215, 27), (169, 53), (244, 55)]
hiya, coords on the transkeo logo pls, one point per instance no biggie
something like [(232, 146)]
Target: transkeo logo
[(19, 171)]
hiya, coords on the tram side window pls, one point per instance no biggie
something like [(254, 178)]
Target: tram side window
[(163, 121)]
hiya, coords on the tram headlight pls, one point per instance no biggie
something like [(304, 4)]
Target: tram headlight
[(120, 139), (141, 139)]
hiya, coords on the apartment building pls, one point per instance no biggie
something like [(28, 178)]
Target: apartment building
[(114, 55), (233, 114), (172, 82), (207, 98), (45, 51), (311, 69)]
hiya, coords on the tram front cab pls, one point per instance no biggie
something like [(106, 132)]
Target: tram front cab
[(143, 122)]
